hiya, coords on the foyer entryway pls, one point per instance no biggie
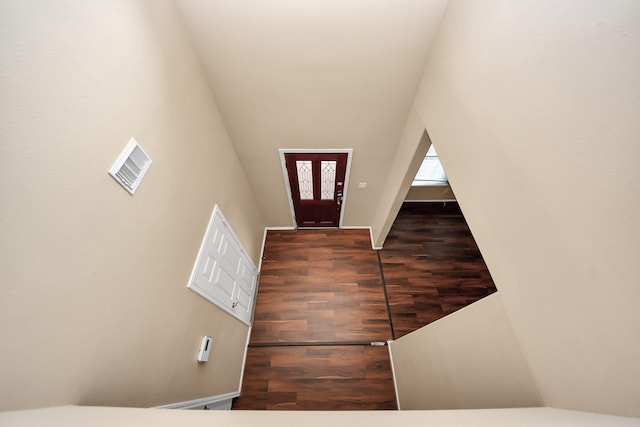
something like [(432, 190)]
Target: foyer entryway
[(321, 302)]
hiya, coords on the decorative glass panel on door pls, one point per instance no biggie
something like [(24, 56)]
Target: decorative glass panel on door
[(328, 179), (305, 179)]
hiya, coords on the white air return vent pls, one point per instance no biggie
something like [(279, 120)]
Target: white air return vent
[(131, 166)]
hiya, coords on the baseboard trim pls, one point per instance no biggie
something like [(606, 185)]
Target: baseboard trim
[(432, 201), (393, 373), (196, 403), (264, 240), (290, 227), (364, 227), (219, 400), (244, 360), (348, 227)]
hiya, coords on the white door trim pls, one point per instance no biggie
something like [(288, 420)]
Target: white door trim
[(287, 185)]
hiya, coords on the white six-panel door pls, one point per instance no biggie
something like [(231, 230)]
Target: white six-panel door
[(223, 273)]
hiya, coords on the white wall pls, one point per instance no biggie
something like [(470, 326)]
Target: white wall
[(94, 307), (533, 106)]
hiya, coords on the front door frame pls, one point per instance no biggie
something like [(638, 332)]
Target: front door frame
[(283, 151)]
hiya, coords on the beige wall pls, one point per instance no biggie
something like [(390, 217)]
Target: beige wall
[(94, 307), (430, 193), (409, 154), (107, 417), (329, 74), (412, 148), (468, 360), (534, 109)]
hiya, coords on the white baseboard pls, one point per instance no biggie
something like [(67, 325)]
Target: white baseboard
[(244, 360), (281, 228), (364, 227), (221, 401), (264, 240), (352, 227), (393, 373), (432, 200)]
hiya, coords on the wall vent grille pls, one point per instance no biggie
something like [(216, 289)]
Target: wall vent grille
[(131, 166)]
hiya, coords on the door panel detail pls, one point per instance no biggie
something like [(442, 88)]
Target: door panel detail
[(328, 177), (305, 179), (316, 182), (223, 273)]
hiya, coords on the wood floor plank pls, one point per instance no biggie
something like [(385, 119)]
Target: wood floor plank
[(317, 378), (325, 286), (432, 265), (320, 285)]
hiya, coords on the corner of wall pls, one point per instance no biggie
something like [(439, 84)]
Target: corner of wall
[(411, 150), (470, 359)]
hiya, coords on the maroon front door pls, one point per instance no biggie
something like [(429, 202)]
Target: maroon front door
[(317, 187)]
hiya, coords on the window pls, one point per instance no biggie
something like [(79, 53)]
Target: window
[(431, 171)]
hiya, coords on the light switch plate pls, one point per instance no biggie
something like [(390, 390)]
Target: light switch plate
[(205, 349)]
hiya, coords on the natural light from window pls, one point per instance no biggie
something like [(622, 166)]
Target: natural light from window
[(431, 171)]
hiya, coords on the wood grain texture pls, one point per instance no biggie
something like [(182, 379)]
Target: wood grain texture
[(432, 265), (317, 378), (320, 286)]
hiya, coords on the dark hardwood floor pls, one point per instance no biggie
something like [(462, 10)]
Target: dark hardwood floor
[(321, 301), (320, 286), (317, 378), (432, 265)]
